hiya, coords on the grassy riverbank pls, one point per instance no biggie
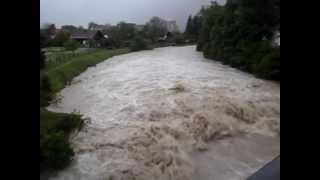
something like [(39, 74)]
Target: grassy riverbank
[(55, 128), (60, 74)]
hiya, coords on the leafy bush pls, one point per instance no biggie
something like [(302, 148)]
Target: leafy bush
[(42, 59), (60, 38), (138, 44), (269, 66), (55, 128), (45, 90), (55, 151), (71, 45)]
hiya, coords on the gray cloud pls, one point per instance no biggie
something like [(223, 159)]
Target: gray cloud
[(80, 12)]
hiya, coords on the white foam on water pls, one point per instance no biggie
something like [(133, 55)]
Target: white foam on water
[(169, 113)]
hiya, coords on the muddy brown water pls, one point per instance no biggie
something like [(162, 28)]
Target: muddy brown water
[(170, 114)]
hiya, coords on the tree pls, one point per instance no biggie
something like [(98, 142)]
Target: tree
[(189, 27), (92, 25), (138, 44), (69, 28), (240, 34), (193, 27), (115, 36), (71, 45), (121, 34), (44, 38), (155, 28), (196, 26), (42, 59), (50, 29), (60, 38), (82, 29), (127, 30)]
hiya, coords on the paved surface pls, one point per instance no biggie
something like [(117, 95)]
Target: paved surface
[(271, 171)]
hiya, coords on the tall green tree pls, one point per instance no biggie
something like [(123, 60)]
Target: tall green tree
[(155, 28), (92, 25), (60, 38), (189, 27), (240, 34), (196, 26)]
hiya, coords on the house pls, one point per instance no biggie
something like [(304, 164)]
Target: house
[(89, 38)]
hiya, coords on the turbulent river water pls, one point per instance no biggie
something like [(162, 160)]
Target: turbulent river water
[(170, 114)]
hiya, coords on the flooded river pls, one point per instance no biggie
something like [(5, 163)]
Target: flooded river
[(170, 114)]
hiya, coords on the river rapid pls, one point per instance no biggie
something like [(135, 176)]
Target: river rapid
[(170, 114)]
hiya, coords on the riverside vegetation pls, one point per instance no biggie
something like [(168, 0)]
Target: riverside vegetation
[(60, 62), (55, 128), (242, 34)]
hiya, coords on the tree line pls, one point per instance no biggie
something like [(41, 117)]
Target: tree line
[(240, 33), (121, 35)]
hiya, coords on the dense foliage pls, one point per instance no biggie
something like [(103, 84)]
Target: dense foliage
[(42, 59), (69, 29), (241, 34), (71, 45), (193, 27), (45, 90), (138, 43), (55, 150), (60, 38), (55, 128)]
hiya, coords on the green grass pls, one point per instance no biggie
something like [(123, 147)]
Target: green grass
[(55, 58), (66, 69)]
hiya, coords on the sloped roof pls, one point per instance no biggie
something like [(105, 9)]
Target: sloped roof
[(84, 35), (80, 35)]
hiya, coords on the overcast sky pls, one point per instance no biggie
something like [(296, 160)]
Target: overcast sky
[(80, 12)]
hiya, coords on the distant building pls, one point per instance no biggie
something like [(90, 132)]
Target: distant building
[(90, 38)]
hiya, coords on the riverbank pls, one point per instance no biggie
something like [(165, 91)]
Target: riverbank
[(55, 128), (62, 73)]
